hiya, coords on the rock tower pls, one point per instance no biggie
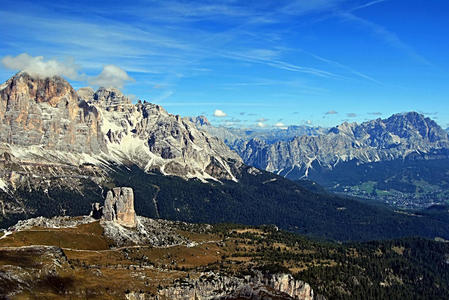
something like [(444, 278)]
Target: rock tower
[(119, 207)]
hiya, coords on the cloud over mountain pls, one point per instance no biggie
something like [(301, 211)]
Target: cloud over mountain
[(111, 76), (37, 66)]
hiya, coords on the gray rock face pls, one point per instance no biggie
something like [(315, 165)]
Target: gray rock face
[(85, 93), (260, 286), (111, 99), (119, 207), (147, 135), (47, 113), (376, 140)]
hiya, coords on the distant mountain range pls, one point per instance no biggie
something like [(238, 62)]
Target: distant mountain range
[(232, 136), (397, 137), (320, 154), (61, 149)]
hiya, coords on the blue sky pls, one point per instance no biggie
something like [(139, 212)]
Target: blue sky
[(260, 63)]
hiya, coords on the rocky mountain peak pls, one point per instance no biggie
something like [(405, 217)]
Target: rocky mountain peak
[(413, 124), (202, 120), (86, 93), (382, 139), (46, 112), (344, 128), (199, 121), (51, 90), (111, 99)]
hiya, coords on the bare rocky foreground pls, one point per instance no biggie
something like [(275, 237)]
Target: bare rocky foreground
[(124, 256), (98, 258)]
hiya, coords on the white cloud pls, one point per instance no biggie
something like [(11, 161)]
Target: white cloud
[(111, 76), (262, 120), (219, 113), (37, 66), (309, 122), (280, 125), (261, 125)]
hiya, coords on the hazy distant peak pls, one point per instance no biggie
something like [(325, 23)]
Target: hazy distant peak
[(199, 120)]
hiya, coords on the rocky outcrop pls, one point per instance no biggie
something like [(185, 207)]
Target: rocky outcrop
[(378, 140), (46, 112), (149, 232), (56, 222), (119, 207), (154, 232), (258, 286)]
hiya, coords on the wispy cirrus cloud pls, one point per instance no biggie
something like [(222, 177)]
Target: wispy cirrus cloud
[(227, 54), (278, 64), (385, 35), (140, 47), (368, 4)]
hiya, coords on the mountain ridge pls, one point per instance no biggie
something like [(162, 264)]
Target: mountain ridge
[(376, 140)]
